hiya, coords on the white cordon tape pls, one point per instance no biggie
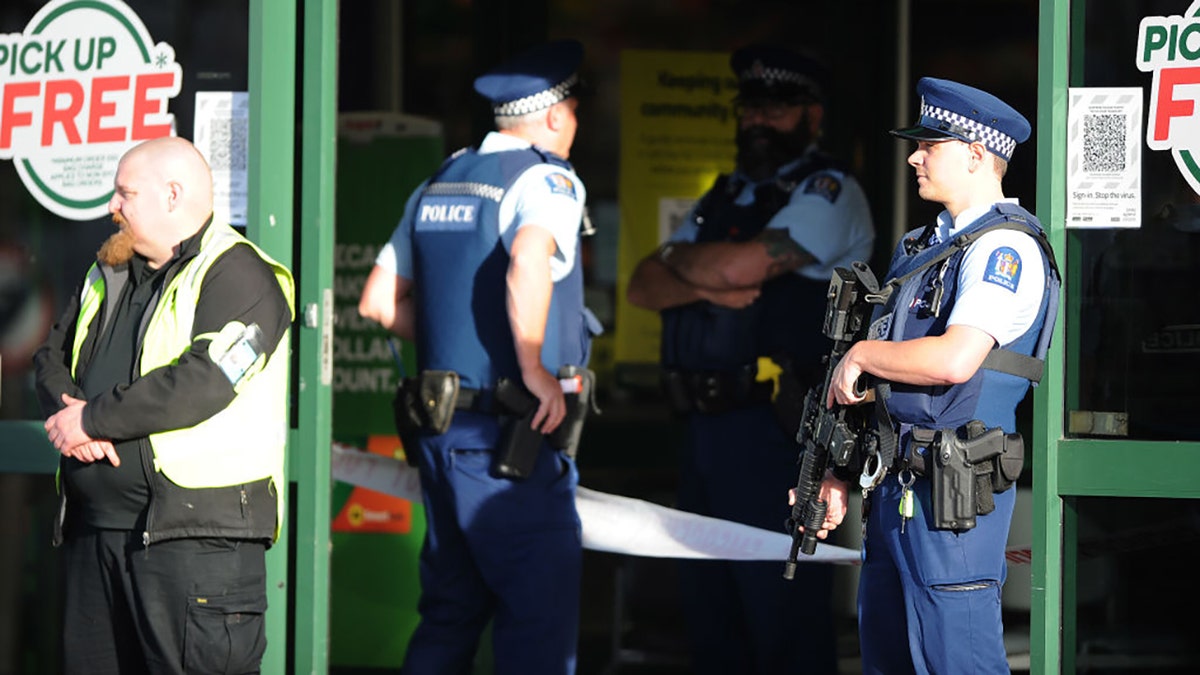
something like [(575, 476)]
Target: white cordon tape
[(612, 523), (634, 527)]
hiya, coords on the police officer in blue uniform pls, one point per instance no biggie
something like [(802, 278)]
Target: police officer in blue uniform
[(483, 272), (953, 351), (741, 288)]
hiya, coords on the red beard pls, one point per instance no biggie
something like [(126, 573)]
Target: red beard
[(118, 248)]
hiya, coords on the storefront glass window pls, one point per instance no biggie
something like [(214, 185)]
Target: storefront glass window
[(43, 255), (1137, 328)]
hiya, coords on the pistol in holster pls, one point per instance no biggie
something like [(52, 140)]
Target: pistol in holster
[(424, 404), (966, 466), (520, 443)]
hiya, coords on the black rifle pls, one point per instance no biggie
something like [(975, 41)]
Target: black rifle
[(828, 437)]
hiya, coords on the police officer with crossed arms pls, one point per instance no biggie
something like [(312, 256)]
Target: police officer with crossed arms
[(741, 289)]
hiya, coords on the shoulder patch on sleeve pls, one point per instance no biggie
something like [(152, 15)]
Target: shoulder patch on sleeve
[(1004, 268), (824, 185), (561, 184)]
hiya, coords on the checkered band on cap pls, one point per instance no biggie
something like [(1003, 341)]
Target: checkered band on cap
[(773, 75), (995, 140), (534, 102)]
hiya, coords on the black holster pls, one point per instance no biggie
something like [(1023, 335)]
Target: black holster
[(713, 392), (580, 395), (424, 404), (520, 443), (965, 466), (679, 394)]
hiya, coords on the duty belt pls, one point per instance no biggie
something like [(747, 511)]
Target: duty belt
[(476, 400), (715, 391)]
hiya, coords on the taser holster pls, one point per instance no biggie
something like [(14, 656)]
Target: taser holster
[(580, 404)]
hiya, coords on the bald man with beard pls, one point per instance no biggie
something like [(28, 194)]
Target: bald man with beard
[(164, 386)]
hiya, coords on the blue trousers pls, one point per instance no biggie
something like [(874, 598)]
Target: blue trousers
[(497, 550), (744, 617), (929, 600)]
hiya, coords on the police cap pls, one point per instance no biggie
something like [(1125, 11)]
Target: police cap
[(776, 73), (533, 80), (950, 110)]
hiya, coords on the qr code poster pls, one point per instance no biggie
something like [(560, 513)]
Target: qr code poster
[(221, 134), (1104, 157)]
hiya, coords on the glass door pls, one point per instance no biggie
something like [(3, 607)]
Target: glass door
[(1118, 412)]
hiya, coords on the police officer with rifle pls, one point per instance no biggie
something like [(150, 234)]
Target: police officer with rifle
[(959, 331)]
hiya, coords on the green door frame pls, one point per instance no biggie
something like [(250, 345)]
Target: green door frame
[(270, 224), (311, 439), (274, 72), (298, 566), (1045, 609), (1065, 469)]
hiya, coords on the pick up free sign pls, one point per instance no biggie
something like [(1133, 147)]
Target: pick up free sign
[(1169, 48), (82, 84)]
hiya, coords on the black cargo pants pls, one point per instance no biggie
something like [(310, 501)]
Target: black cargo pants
[(178, 606)]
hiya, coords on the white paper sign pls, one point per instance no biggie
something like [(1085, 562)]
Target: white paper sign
[(1104, 157), (221, 132)]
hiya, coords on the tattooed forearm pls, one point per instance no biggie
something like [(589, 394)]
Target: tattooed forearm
[(785, 254)]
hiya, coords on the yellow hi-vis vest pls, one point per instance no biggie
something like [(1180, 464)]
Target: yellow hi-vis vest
[(243, 443)]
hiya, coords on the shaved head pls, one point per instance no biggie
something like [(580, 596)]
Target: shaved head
[(175, 159), (163, 194)]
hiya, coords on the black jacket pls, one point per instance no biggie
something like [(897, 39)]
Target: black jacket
[(239, 286)]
